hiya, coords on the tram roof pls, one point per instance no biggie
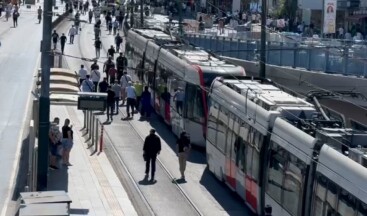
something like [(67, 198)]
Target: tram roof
[(266, 93)]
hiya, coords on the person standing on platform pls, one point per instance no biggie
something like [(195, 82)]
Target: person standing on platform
[(183, 149), (111, 52), (98, 46), (131, 99), (121, 62), (103, 86), (110, 103), (152, 148), (15, 18), (94, 66), (118, 42), (96, 77), (139, 91), (90, 16), (72, 33), (124, 81), (67, 142), (55, 39), (112, 72), (63, 40), (117, 89), (87, 85), (55, 137), (107, 66), (82, 74), (145, 102)]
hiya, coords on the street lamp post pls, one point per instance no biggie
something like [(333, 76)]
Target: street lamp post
[(44, 101), (263, 40)]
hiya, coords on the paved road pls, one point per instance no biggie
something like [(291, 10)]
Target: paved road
[(19, 56), (19, 59)]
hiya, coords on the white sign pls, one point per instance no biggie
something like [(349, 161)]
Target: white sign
[(329, 16)]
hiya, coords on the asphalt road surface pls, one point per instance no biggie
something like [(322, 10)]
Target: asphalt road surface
[(19, 55)]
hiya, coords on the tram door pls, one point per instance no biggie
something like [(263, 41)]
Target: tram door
[(194, 119)]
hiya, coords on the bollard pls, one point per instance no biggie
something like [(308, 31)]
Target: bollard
[(93, 128), (96, 143), (90, 128), (85, 119), (101, 140)]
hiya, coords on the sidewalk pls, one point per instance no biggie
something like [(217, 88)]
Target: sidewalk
[(91, 182)]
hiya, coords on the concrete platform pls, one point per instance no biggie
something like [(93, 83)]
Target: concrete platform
[(91, 182)]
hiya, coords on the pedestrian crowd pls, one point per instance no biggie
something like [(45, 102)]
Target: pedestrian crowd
[(112, 78)]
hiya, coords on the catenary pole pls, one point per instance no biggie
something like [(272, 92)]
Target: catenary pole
[(263, 39), (44, 101), (141, 14)]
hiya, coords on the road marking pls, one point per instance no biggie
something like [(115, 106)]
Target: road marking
[(17, 152)]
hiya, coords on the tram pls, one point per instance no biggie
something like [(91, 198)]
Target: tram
[(275, 149), (163, 61)]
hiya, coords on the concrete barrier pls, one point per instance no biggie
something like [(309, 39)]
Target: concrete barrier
[(302, 81)]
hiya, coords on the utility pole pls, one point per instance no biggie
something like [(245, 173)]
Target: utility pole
[(141, 14), (44, 101), (180, 29), (132, 5), (263, 40)]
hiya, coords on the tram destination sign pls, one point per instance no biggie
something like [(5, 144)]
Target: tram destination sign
[(92, 101)]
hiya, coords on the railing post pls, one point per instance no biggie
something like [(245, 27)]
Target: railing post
[(268, 47), (92, 128), (326, 66), (97, 135), (90, 125), (345, 60), (295, 55), (309, 53), (281, 54), (247, 50), (238, 47), (85, 119)]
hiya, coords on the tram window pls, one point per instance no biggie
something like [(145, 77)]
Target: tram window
[(276, 174), (292, 187), (194, 102), (230, 148), (319, 195), (331, 196), (255, 165), (249, 151), (242, 155), (212, 127), (221, 135), (362, 209), (347, 203)]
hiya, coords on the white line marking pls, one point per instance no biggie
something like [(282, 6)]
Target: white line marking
[(17, 152)]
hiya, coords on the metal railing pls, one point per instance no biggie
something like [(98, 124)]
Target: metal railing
[(337, 60)]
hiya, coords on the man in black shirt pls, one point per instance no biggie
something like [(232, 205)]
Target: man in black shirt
[(152, 148), (55, 38), (94, 66), (98, 46), (63, 40), (121, 63), (110, 103), (111, 52), (103, 85), (118, 41)]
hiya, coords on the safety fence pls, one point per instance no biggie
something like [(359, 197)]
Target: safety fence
[(337, 60)]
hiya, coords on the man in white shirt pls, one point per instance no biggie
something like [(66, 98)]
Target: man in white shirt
[(96, 77), (117, 89), (72, 33), (131, 98), (82, 74), (125, 79), (87, 85)]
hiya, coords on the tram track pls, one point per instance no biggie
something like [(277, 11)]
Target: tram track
[(141, 203)]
